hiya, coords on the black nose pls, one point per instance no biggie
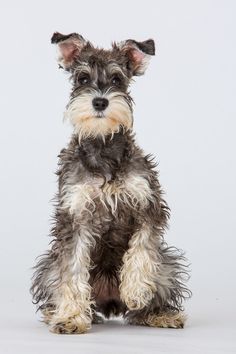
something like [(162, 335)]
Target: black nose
[(100, 103)]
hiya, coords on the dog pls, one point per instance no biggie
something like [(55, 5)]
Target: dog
[(108, 256)]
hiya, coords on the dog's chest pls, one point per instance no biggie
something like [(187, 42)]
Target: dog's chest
[(92, 194)]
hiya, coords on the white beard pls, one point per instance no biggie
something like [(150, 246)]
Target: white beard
[(89, 123)]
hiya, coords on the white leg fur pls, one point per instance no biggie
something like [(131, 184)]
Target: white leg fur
[(139, 271), (73, 298)]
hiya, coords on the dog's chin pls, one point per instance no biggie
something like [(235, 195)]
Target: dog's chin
[(100, 124)]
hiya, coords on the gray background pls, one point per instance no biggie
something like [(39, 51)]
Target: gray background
[(184, 115)]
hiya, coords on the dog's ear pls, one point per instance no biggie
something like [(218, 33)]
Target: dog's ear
[(69, 46), (138, 53)]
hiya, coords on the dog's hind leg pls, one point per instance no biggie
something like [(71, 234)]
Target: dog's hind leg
[(96, 318), (165, 319)]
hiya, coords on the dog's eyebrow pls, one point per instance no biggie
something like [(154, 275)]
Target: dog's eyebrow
[(83, 67), (113, 68)]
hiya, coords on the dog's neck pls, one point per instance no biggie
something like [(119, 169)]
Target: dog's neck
[(106, 156)]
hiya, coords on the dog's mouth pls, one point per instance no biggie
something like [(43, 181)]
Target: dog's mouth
[(99, 114)]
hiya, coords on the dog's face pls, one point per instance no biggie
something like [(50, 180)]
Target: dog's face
[(100, 103)]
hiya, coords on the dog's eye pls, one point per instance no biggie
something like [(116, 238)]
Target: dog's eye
[(84, 80), (116, 80)]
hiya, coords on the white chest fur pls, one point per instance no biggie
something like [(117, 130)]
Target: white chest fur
[(83, 197)]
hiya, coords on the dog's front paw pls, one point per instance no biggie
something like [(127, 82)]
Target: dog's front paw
[(72, 325), (138, 299)]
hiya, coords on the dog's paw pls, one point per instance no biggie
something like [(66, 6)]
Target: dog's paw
[(161, 320), (167, 320), (72, 325)]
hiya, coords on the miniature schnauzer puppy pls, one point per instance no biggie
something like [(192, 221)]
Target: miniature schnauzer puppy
[(108, 256)]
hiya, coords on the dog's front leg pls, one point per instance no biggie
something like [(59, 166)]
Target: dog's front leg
[(72, 299), (139, 270)]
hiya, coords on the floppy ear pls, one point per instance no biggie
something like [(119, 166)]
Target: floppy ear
[(69, 47), (139, 54)]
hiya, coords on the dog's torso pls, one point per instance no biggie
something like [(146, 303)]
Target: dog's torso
[(106, 184)]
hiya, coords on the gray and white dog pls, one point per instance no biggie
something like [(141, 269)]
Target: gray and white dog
[(108, 255)]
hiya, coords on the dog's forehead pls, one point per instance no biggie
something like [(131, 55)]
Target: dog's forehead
[(102, 60)]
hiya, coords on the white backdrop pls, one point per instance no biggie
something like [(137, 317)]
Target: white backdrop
[(185, 115)]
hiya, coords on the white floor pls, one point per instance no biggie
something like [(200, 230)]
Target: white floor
[(210, 329)]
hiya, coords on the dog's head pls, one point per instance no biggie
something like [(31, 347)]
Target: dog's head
[(100, 103)]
